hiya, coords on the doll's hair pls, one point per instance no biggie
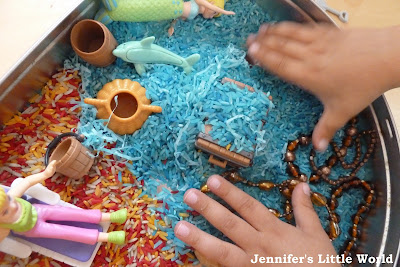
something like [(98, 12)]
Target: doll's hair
[(218, 3), (3, 197)]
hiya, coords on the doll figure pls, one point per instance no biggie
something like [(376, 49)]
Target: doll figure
[(157, 10), (30, 220)]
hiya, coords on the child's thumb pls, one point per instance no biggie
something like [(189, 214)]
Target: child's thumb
[(306, 217), (326, 128)]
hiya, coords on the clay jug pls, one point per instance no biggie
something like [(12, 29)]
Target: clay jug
[(124, 102)]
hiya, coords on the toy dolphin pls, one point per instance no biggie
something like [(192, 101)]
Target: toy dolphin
[(145, 52)]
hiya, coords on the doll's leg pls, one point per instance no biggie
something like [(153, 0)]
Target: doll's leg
[(60, 213), (82, 235), (65, 232)]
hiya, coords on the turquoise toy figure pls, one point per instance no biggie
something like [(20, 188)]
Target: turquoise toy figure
[(157, 10), (145, 52)]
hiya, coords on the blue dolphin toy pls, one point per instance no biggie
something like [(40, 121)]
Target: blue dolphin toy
[(145, 52)]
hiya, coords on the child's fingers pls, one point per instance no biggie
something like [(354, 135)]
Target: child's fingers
[(213, 248), (228, 223), (326, 128), (280, 64), (250, 209), (284, 45), (306, 217), (251, 39), (301, 32)]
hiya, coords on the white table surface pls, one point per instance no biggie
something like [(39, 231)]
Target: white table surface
[(23, 22)]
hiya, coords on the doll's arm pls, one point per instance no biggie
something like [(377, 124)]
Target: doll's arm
[(208, 5), (31, 180), (4, 233)]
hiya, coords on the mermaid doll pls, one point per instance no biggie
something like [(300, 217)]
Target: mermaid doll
[(157, 10), (31, 220)]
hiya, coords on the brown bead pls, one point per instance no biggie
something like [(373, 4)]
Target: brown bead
[(204, 188), (249, 183), (293, 183), (289, 216), (335, 217), (357, 218), (334, 230), (302, 178), (343, 151), (362, 208), (314, 178), (292, 146), (290, 156), (370, 199), (347, 141), (234, 177), (318, 199), (332, 161), (346, 186), (288, 211), (346, 253), (334, 204), (287, 192), (266, 185), (351, 131), (304, 140), (350, 245), (275, 212), (292, 169), (338, 193), (325, 170), (354, 232)]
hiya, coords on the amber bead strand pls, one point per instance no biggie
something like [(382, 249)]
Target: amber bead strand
[(363, 209), (325, 170), (285, 188), (352, 138), (368, 153), (292, 169)]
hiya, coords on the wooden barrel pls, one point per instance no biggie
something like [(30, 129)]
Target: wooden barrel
[(73, 159)]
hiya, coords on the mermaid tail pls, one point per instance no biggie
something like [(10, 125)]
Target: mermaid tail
[(139, 10), (110, 5)]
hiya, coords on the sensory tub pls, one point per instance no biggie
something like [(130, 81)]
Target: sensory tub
[(148, 171)]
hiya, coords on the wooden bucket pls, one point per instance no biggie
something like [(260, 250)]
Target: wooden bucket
[(73, 158)]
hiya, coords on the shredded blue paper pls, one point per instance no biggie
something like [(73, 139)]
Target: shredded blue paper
[(163, 151)]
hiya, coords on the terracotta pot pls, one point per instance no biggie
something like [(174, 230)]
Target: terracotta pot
[(125, 103), (72, 158), (93, 42)]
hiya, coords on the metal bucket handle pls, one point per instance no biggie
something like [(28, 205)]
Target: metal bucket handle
[(53, 144)]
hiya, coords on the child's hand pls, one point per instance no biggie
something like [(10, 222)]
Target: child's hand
[(50, 169), (259, 232), (345, 69)]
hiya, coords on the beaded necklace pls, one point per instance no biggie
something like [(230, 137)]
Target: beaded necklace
[(322, 173)]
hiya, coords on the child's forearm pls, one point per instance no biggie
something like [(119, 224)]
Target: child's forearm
[(392, 53)]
